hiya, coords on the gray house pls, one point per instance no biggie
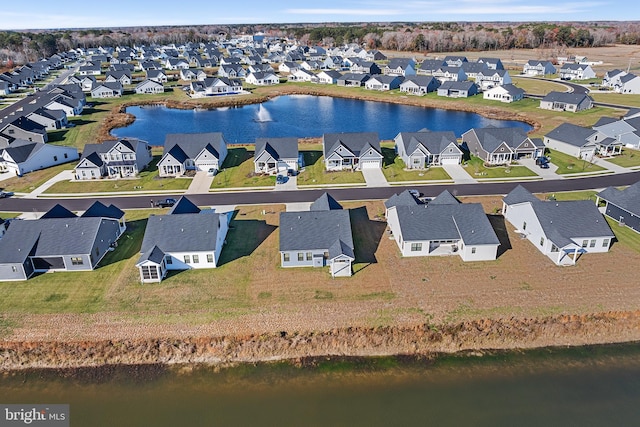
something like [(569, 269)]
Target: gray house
[(535, 67), (444, 226), (576, 141), (400, 67), (113, 159), (419, 85), (383, 82), (622, 205), (192, 151), (317, 238), (455, 89), (353, 79), (501, 145), (56, 242), (355, 150), (276, 155), (186, 238), (565, 101), (419, 150)]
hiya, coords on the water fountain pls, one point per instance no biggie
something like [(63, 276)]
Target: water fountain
[(263, 115)]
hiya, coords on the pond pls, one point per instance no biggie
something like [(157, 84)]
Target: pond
[(301, 116)]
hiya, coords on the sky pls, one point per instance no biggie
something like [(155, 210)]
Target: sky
[(46, 14)]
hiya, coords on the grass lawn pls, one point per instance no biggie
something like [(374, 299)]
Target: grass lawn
[(314, 173), (569, 164), (625, 235), (32, 180), (571, 195), (536, 86), (629, 158), (476, 168), (148, 181), (396, 172), (617, 98), (238, 171)]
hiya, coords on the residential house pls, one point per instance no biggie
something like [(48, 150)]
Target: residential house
[(232, 71), (353, 79), (419, 85), (375, 55), (276, 155), (87, 83), (149, 87), (491, 78), (328, 77), (454, 89), (566, 101), (317, 238), (89, 70), (626, 131), (577, 72), (623, 205), (383, 82), (260, 78), (25, 129), (506, 93), (301, 75), (501, 145), (5, 88), (124, 77), (365, 67), (100, 210), (612, 78), (106, 90), (450, 74), (535, 67), (350, 151), (192, 151), (288, 67), (186, 238), (123, 158), (472, 69), (49, 244), (192, 74), (578, 141), (560, 230), (212, 86), (629, 84), (420, 150), (400, 67), (176, 64), (455, 61), (444, 226), (25, 156), (50, 119), (491, 63)]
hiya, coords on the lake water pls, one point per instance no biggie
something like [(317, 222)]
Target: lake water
[(587, 386), (301, 116)]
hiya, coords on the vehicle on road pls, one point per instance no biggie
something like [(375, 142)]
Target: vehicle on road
[(415, 193), (4, 194), (165, 203)]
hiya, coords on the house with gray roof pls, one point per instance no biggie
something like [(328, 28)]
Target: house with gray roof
[(566, 101), (106, 90), (25, 156), (572, 71), (404, 198), (611, 79), (157, 75), (262, 78), (535, 67), (625, 132), (185, 238), (353, 79), (124, 77), (22, 128), (148, 87), (192, 151), (428, 66), (351, 150), (456, 89), (622, 205), (276, 155), (319, 237), (50, 119), (400, 67), (328, 77), (561, 230), (489, 78), (213, 86), (501, 145), (419, 85), (383, 82), (420, 150), (444, 226), (506, 93), (577, 141), (63, 243), (629, 84), (491, 63), (122, 158), (450, 74)]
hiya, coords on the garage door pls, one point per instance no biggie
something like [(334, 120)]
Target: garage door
[(369, 164), (449, 160)]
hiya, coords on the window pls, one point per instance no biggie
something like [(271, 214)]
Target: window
[(300, 256), (524, 225), (473, 250), (13, 268), (605, 243), (76, 260), (309, 256), (285, 257), (416, 247), (196, 259), (554, 248), (209, 258), (149, 272), (585, 243), (169, 259), (187, 259), (55, 158), (542, 241), (592, 244)]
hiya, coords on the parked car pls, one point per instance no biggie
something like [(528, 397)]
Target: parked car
[(543, 162), (4, 194), (281, 179), (292, 172), (212, 172), (415, 193), (544, 165), (165, 203)]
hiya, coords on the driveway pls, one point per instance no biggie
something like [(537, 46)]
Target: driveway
[(290, 184), (374, 177), (608, 165), (62, 176), (458, 174), (543, 173), (200, 184)]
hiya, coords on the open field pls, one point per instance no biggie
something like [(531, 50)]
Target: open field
[(250, 293)]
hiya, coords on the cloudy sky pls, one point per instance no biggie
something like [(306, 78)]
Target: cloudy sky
[(36, 14)]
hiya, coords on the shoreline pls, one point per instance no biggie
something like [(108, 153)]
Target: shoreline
[(425, 340)]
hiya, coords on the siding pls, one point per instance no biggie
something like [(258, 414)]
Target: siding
[(630, 220)]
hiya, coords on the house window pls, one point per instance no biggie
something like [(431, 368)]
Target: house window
[(65, 156), (541, 241), (196, 259), (524, 225), (187, 259), (592, 244), (76, 260), (473, 250), (149, 272), (55, 158), (300, 256), (169, 259), (309, 256), (605, 243), (209, 258), (585, 243), (285, 257), (554, 248), (416, 247), (13, 268)]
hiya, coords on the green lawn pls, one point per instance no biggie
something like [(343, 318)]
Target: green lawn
[(32, 180), (572, 195), (396, 172), (148, 181), (537, 86), (476, 168), (625, 235), (617, 98), (568, 164), (314, 173), (238, 171), (629, 158)]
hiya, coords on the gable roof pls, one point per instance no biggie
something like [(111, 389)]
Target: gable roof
[(572, 98), (184, 206), (325, 203), (435, 142), (316, 230), (58, 211), (98, 209), (353, 141), (562, 221), (519, 195), (182, 233), (571, 134), (403, 199), (445, 198), (192, 144), (278, 148), (491, 137), (21, 150), (627, 199)]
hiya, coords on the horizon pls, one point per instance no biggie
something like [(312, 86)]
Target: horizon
[(120, 14)]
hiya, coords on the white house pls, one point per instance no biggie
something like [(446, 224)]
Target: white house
[(25, 156), (507, 93)]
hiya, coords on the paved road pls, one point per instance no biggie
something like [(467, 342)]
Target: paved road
[(343, 194)]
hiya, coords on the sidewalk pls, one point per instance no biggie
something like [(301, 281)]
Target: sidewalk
[(62, 176)]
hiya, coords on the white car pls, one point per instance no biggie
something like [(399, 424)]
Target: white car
[(212, 172)]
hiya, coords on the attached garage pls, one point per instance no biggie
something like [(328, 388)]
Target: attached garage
[(370, 164), (450, 160)]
